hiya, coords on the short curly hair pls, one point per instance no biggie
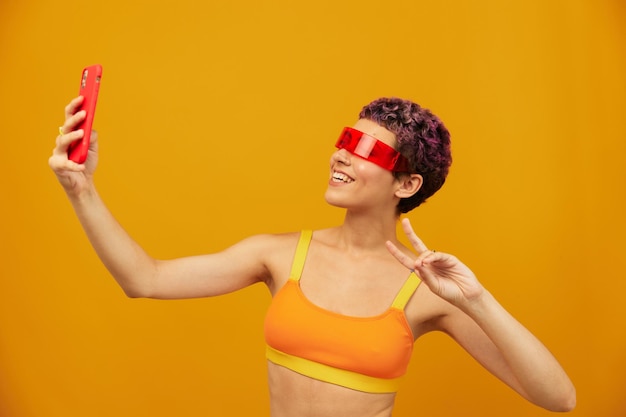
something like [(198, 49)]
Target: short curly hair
[(421, 138)]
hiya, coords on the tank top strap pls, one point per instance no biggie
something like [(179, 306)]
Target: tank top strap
[(407, 290), (300, 257)]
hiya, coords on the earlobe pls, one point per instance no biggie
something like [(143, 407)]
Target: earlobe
[(408, 185)]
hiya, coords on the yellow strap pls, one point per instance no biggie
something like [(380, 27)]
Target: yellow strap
[(301, 250), (332, 375), (406, 291)]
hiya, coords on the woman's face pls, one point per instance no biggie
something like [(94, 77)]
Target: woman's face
[(356, 183)]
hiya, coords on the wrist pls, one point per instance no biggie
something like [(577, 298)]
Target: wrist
[(481, 306), (81, 194)]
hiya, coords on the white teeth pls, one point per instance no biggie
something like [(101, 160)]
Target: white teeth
[(339, 177)]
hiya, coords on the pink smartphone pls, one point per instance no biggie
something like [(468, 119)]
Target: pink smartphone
[(89, 87)]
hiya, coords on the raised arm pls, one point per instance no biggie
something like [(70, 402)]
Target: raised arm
[(137, 273), (487, 331)]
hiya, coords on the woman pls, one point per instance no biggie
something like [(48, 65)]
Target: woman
[(347, 301)]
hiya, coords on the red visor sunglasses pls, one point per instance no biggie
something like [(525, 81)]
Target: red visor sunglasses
[(372, 149)]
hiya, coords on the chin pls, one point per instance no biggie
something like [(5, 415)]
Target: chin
[(335, 202)]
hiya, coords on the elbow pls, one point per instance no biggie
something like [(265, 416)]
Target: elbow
[(569, 402), (136, 291), (565, 406), (136, 286), (565, 403), (133, 294), (558, 399)]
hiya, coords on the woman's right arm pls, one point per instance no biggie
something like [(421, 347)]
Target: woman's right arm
[(137, 273)]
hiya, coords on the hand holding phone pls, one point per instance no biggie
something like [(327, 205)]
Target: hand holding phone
[(89, 87)]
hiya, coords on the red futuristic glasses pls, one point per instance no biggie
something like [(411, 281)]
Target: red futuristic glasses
[(371, 149)]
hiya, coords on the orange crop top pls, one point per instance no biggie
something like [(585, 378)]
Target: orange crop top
[(367, 354)]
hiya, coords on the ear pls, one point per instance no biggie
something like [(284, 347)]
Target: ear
[(408, 185)]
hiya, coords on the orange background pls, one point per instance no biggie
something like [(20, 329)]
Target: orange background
[(217, 120)]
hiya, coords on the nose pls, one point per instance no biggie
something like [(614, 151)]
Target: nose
[(342, 156)]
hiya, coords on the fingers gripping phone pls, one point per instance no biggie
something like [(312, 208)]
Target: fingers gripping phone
[(89, 87)]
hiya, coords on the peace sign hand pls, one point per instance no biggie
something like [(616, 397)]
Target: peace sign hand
[(443, 273)]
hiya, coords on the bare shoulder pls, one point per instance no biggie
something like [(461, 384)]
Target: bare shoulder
[(270, 243), (277, 252)]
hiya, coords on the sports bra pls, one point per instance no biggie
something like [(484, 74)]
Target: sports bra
[(368, 354)]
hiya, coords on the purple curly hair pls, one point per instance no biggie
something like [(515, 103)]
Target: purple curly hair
[(422, 139)]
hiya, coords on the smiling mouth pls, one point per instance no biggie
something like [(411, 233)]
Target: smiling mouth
[(341, 177)]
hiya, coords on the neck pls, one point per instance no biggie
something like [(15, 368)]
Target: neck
[(367, 232)]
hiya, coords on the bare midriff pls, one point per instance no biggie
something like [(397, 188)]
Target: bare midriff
[(295, 395)]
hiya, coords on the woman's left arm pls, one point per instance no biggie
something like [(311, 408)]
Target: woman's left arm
[(487, 331)]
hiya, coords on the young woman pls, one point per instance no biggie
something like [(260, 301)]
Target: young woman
[(348, 301)]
